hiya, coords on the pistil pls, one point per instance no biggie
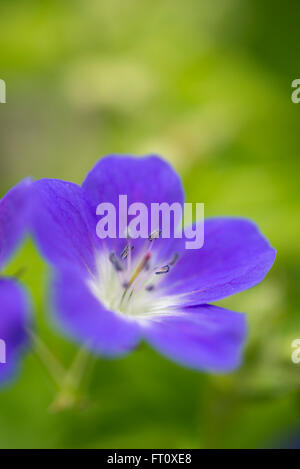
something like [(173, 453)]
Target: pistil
[(142, 265)]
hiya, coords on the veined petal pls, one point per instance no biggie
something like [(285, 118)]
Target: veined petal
[(14, 321), (145, 180), (235, 257), (14, 218), (61, 224), (83, 317), (205, 337)]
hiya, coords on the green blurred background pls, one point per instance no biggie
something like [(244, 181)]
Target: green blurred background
[(208, 86)]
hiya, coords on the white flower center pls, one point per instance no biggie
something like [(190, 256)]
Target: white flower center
[(127, 287)]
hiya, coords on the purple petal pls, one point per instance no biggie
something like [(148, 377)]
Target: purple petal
[(14, 319), (235, 257), (204, 337), (146, 180), (83, 317), (61, 224), (14, 218)]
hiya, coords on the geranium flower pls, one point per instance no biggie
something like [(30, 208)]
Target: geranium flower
[(110, 296), (14, 303)]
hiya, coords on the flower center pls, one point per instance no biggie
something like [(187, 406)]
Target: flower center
[(130, 287)]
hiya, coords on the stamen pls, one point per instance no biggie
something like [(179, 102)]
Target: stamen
[(127, 233), (174, 259), (150, 288), (163, 270), (126, 251), (154, 235), (115, 262)]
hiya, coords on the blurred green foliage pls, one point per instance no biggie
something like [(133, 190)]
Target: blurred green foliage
[(207, 85)]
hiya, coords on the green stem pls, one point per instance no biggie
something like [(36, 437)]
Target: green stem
[(67, 381), (53, 366), (68, 395)]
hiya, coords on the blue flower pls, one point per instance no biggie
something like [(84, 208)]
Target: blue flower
[(14, 304), (109, 296)]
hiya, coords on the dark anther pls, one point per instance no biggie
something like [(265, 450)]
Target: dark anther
[(174, 259), (126, 251), (115, 262), (154, 235), (163, 270)]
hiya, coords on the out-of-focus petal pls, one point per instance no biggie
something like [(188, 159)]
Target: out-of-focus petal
[(61, 224), (83, 317), (205, 338), (14, 218), (14, 321)]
